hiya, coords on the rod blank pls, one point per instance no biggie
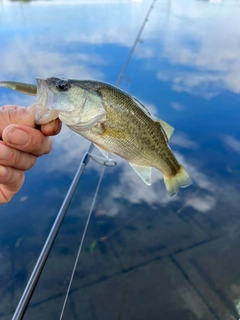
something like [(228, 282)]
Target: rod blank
[(33, 280)]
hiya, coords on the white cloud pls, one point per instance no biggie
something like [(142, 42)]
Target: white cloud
[(204, 84), (151, 107), (231, 143), (64, 2), (215, 55), (145, 52), (199, 179), (177, 106), (69, 148), (205, 62), (131, 189), (16, 99), (202, 204), (128, 188), (45, 63), (37, 56), (182, 140), (208, 48)]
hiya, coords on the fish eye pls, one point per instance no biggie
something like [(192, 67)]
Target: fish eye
[(63, 86)]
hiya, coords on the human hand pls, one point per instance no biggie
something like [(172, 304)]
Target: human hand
[(21, 144)]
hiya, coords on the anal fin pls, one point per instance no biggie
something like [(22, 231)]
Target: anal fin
[(143, 172)]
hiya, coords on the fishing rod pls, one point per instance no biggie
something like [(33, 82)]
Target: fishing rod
[(122, 73), (38, 268), (32, 282)]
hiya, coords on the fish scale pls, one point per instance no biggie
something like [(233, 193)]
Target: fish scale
[(146, 149)]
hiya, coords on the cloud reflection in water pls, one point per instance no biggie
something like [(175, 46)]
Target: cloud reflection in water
[(201, 65), (205, 62), (127, 186)]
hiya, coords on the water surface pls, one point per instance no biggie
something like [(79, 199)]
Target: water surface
[(146, 255)]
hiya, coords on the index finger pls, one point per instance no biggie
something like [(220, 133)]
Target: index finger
[(52, 128), (49, 129)]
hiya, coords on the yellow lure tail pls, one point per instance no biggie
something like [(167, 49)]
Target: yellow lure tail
[(25, 88)]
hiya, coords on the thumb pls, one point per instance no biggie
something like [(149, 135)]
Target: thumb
[(16, 115)]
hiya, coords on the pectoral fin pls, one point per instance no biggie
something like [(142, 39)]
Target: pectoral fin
[(168, 130), (143, 172)]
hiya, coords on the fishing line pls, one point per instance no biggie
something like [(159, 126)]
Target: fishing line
[(81, 243)]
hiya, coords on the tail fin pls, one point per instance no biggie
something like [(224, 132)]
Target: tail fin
[(180, 180)]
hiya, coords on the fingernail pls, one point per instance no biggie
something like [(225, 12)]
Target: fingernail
[(3, 171), (55, 126), (5, 152), (18, 137)]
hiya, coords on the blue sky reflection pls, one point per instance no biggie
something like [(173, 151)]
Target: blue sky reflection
[(186, 71)]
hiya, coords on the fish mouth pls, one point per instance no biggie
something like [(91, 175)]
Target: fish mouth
[(50, 106), (45, 110)]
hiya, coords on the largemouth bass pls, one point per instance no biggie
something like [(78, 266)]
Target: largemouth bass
[(114, 121)]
